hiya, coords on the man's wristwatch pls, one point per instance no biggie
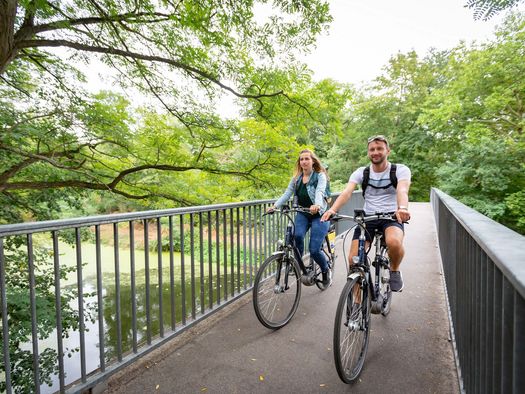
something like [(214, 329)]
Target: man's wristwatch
[(402, 208)]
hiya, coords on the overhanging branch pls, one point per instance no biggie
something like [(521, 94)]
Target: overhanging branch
[(192, 71)]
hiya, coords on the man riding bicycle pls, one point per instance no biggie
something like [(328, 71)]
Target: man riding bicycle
[(385, 189)]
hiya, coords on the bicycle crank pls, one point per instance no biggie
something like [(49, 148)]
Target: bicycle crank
[(308, 279), (377, 305)]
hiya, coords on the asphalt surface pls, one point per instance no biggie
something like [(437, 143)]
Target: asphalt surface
[(409, 352)]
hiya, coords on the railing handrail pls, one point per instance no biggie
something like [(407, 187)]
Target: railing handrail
[(504, 246), (85, 221)]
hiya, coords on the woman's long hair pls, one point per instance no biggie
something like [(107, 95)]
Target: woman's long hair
[(317, 166)]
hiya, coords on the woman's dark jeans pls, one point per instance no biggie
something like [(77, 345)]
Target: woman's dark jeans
[(303, 223)]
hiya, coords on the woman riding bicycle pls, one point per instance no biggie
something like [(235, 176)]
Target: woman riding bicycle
[(308, 186)]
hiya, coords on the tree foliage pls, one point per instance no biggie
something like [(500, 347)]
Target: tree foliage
[(486, 9), (60, 142), (391, 106), (183, 53), (455, 117), (479, 114), (19, 322)]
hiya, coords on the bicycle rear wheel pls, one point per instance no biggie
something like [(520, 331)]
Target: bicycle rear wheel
[(276, 291), (352, 329)]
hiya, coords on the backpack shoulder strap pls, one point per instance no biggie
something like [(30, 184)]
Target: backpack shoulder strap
[(393, 176), (366, 179)]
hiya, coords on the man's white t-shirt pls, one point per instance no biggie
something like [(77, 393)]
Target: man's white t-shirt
[(380, 200)]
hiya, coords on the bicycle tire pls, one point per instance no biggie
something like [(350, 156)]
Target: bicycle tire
[(276, 303), (351, 329)]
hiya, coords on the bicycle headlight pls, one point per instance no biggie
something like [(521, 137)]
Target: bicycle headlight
[(279, 244), (355, 259)]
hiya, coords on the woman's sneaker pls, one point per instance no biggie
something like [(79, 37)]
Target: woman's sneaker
[(327, 278), (396, 281)]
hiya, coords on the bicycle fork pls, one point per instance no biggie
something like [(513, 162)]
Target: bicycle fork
[(355, 311), (278, 288), (380, 264)]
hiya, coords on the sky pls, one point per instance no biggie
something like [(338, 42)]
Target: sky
[(365, 34)]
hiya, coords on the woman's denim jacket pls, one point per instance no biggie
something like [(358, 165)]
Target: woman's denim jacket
[(316, 194)]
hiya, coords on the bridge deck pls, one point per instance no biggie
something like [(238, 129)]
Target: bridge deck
[(410, 350)]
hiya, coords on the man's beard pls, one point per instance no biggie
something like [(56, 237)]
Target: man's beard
[(379, 160)]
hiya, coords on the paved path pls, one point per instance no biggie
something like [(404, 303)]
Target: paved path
[(409, 352)]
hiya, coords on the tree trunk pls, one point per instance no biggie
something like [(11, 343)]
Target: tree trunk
[(7, 32)]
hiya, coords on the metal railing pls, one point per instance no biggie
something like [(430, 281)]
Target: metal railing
[(484, 268), (139, 279), (132, 281)]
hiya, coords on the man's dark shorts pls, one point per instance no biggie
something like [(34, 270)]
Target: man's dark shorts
[(371, 226)]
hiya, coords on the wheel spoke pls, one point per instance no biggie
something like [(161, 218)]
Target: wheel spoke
[(275, 306), (351, 331)]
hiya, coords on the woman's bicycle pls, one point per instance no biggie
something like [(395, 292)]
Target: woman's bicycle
[(277, 285), (367, 290)]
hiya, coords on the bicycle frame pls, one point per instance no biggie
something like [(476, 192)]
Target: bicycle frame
[(361, 261), (289, 245)]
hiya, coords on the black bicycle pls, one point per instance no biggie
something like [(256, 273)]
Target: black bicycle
[(277, 285), (367, 290)]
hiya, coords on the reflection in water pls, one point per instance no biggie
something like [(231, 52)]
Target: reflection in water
[(110, 318), (111, 337)]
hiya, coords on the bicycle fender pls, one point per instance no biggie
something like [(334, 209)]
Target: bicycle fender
[(353, 275), (278, 253)]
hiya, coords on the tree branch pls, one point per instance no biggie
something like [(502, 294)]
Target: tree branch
[(192, 71), (30, 30)]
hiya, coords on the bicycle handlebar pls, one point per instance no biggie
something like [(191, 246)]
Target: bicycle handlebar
[(366, 218)]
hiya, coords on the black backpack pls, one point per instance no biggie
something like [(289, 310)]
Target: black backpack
[(366, 179)]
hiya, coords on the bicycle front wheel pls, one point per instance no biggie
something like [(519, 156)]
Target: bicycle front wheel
[(352, 328), (385, 291), (276, 291)]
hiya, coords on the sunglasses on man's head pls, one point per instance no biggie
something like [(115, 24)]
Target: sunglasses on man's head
[(378, 138)]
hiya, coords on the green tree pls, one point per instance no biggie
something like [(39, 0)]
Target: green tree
[(391, 105), (59, 141), (478, 116), (19, 319), (185, 54)]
